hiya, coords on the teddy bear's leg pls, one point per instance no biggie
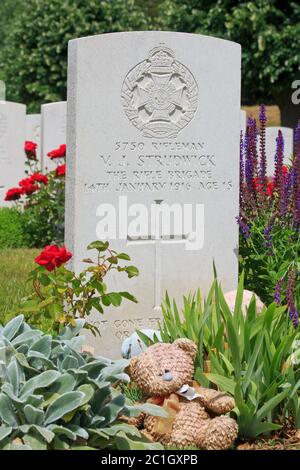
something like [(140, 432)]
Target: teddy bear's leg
[(218, 402), (187, 424), (217, 434)]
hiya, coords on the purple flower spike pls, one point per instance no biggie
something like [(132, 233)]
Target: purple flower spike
[(244, 228), (268, 243), (297, 138), (249, 162), (262, 148), (242, 166), (278, 178), (277, 292), (286, 193), (293, 312), (296, 191)]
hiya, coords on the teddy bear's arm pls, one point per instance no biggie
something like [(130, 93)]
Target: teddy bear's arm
[(215, 401), (136, 421)]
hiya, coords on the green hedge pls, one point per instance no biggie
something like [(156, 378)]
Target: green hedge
[(11, 228), (33, 57)]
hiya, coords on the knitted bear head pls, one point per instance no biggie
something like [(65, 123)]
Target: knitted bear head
[(163, 368)]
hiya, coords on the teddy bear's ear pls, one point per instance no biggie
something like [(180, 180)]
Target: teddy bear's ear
[(131, 368), (187, 345)]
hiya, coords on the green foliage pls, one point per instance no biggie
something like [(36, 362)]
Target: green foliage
[(264, 269), (34, 59), (257, 362), (54, 397), (8, 11), (132, 392), (11, 228), (268, 31), (256, 365), (150, 7), (60, 296)]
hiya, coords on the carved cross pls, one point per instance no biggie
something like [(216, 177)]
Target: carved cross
[(157, 240)]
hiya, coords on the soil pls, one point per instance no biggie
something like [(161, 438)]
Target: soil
[(288, 439)]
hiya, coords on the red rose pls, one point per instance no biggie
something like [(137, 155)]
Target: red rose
[(30, 150), (284, 170), (13, 194), (30, 146), (60, 170), (28, 186), (60, 152), (38, 177), (53, 257)]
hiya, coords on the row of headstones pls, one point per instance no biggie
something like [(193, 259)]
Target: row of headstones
[(47, 130)]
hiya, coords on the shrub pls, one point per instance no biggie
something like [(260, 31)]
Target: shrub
[(254, 358), (267, 31), (34, 59), (11, 228), (41, 199), (61, 297), (44, 214), (54, 397), (270, 220)]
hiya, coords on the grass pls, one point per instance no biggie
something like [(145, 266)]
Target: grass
[(15, 265)]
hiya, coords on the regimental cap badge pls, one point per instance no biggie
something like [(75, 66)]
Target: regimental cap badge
[(160, 94)]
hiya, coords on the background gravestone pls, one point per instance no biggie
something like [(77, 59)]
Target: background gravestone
[(271, 136), (33, 131), (243, 122), (12, 139), (54, 121), (2, 91), (154, 118)]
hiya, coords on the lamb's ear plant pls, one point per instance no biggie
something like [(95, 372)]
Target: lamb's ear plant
[(54, 397), (250, 356)]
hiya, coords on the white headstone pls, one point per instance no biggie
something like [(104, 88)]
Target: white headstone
[(33, 132), (154, 120), (2, 91), (271, 136), (243, 122), (12, 139), (54, 121)]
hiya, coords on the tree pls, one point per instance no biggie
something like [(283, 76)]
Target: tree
[(9, 9), (33, 60), (150, 7), (269, 32)]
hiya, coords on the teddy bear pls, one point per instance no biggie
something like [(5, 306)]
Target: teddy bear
[(195, 416)]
